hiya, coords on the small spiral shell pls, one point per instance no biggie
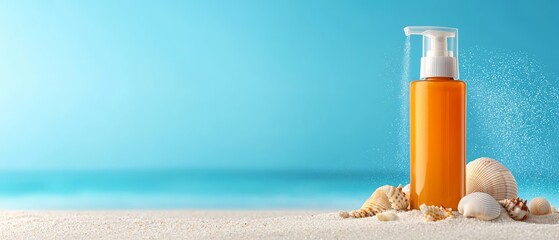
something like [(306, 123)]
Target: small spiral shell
[(516, 208)]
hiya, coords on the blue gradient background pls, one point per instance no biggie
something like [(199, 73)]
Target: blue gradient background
[(279, 86)]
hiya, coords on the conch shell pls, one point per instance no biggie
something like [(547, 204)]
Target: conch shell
[(479, 205), (516, 207), (382, 199), (396, 197), (435, 213), (490, 176), (539, 206)]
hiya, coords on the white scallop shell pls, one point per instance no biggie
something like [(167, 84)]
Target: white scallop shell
[(490, 176), (539, 206), (387, 216), (479, 205)]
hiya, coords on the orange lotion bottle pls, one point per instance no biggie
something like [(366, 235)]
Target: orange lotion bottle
[(437, 122)]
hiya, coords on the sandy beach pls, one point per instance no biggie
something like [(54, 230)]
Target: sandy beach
[(186, 224)]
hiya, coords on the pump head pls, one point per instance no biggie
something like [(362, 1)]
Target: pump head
[(440, 51)]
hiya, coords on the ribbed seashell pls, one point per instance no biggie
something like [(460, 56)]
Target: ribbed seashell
[(378, 202), (516, 207), (490, 176), (435, 213), (387, 216), (479, 205), (396, 197), (539, 206)]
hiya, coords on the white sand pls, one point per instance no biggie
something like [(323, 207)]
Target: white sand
[(260, 225)]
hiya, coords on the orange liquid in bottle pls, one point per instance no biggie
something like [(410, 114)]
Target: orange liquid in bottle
[(437, 142)]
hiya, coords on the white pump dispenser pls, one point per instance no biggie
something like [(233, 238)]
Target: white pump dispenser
[(440, 51)]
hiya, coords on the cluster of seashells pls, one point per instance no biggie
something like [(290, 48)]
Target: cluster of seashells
[(490, 186), (383, 198)]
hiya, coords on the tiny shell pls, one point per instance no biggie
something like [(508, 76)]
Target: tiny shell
[(435, 213), (516, 208), (490, 176), (479, 205), (387, 216), (539, 206), (343, 214)]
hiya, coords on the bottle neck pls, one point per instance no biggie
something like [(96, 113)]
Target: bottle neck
[(439, 78)]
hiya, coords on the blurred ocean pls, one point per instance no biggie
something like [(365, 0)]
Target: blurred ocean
[(208, 189)]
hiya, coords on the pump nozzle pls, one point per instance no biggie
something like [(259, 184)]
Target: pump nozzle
[(440, 50)]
